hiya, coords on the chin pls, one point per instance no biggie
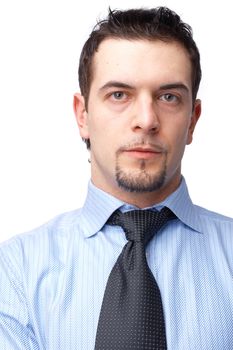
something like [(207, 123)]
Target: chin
[(140, 182)]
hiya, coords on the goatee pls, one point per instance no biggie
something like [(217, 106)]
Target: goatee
[(141, 180)]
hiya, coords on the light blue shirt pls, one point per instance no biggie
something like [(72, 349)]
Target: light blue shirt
[(52, 279)]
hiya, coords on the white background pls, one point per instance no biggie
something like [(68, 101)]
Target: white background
[(43, 163)]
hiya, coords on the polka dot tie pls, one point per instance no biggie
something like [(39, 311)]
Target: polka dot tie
[(131, 316)]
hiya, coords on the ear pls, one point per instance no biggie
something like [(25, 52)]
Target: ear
[(81, 115), (194, 119)]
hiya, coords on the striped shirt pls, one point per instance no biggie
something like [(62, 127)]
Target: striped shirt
[(52, 279)]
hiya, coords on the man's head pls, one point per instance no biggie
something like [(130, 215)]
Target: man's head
[(139, 76), (145, 24)]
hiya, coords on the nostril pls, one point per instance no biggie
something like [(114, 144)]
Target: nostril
[(147, 128)]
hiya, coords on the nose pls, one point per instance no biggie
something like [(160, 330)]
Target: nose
[(145, 117)]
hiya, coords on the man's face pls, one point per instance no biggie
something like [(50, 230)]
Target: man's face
[(140, 116)]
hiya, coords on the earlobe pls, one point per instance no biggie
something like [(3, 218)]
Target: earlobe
[(81, 115), (194, 119)]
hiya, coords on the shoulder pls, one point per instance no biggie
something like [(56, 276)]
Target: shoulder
[(42, 238), (214, 222), (213, 216)]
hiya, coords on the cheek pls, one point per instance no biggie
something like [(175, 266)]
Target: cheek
[(177, 139), (105, 130), (96, 127), (102, 139)]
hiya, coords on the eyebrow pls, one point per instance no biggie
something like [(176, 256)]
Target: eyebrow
[(173, 86), (115, 84), (121, 85)]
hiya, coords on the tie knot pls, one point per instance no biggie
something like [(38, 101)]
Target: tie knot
[(141, 225)]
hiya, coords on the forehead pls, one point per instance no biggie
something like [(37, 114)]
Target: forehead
[(141, 60)]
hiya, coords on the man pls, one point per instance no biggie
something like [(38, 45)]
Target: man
[(139, 75)]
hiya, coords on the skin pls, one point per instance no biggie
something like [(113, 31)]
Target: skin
[(139, 118)]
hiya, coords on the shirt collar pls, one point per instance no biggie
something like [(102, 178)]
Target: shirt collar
[(181, 205), (99, 206)]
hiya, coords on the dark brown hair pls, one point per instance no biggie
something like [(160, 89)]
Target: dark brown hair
[(158, 23)]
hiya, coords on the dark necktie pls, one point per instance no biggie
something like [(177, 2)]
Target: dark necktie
[(131, 316)]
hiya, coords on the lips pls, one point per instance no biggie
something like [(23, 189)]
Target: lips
[(142, 152), (142, 149)]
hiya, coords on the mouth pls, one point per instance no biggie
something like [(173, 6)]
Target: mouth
[(143, 153)]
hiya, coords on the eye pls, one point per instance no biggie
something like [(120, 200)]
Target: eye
[(169, 98), (118, 95)]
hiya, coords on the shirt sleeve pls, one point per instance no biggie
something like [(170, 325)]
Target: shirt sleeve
[(16, 332)]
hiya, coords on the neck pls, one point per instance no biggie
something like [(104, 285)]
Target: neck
[(142, 199)]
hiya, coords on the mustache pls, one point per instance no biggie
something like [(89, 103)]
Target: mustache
[(154, 146)]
